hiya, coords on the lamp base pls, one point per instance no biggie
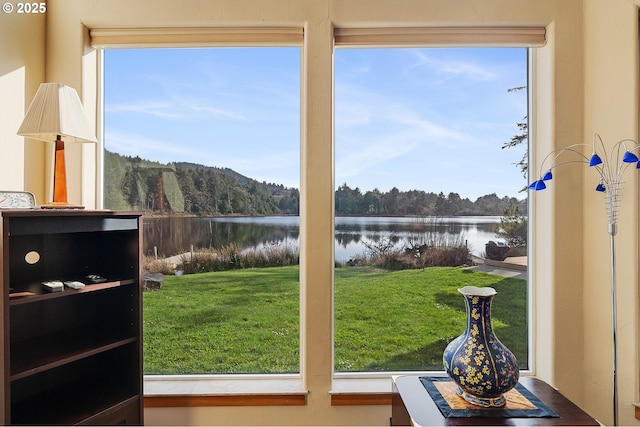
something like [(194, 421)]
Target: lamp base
[(60, 205)]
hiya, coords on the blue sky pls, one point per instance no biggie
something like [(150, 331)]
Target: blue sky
[(428, 119)]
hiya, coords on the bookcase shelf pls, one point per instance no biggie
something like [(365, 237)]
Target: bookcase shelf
[(74, 356), (60, 352)]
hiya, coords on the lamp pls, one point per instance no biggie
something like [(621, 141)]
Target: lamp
[(56, 113), (610, 168)]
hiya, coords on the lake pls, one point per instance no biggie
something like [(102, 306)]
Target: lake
[(175, 235)]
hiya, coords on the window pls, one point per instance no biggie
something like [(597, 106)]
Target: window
[(206, 141), (347, 188), (423, 179)]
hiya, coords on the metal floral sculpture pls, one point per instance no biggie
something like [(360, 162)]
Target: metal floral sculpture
[(611, 168)]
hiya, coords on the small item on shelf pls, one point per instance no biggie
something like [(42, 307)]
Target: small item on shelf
[(53, 286), (94, 278), (74, 284), (20, 294)]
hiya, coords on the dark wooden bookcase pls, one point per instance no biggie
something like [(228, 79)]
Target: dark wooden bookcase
[(75, 356)]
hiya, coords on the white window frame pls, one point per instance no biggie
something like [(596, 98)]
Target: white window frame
[(524, 37), (294, 384), (101, 39)]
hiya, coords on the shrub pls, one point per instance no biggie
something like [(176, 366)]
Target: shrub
[(439, 250), (152, 265), (231, 257), (383, 253), (430, 257)]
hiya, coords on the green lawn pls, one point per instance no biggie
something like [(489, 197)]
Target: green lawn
[(247, 321)]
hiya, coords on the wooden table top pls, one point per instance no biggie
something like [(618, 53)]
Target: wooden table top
[(412, 405)]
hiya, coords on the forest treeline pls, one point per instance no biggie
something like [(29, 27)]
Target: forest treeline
[(132, 183)]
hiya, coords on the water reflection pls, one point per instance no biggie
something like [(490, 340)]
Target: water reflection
[(174, 235)]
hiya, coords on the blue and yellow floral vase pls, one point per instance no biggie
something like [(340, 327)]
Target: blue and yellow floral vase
[(482, 367)]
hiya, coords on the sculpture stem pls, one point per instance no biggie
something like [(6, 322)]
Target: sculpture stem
[(613, 229)]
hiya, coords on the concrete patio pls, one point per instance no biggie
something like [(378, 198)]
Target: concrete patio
[(515, 267)]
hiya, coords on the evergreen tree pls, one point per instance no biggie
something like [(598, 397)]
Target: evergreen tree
[(513, 227)]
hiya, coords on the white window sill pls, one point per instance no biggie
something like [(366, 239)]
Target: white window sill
[(159, 385), (369, 382), (214, 385), (355, 385), (202, 385)]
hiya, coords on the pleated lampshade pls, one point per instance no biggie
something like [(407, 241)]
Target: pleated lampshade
[(55, 111)]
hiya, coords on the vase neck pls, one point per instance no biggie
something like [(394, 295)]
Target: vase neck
[(479, 311)]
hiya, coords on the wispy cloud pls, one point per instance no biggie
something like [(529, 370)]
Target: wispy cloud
[(217, 112), (160, 109), (357, 162), (450, 69), (131, 144), (176, 108)]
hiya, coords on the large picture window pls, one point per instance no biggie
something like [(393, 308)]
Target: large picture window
[(431, 154), (206, 142)]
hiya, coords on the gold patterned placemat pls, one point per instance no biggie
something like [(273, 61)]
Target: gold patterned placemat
[(520, 402), (515, 400)]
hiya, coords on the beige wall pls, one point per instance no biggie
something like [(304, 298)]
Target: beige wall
[(611, 109), (586, 81), (22, 69)]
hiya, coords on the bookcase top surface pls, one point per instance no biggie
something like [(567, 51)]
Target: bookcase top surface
[(64, 212)]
